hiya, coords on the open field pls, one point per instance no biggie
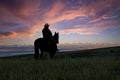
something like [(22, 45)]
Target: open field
[(97, 64)]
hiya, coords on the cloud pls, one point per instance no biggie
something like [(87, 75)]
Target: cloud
[(78, 30), (10, 35), (28, 16), (18, 17), (68, 15), (95, 10), (59, 13), (4, 35), (102, 9), (55, 9), (102, 14), (91, 29)]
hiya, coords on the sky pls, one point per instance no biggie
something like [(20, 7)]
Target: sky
[(77, 21)]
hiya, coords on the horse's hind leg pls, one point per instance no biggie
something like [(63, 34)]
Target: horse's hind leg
[(52, 54)]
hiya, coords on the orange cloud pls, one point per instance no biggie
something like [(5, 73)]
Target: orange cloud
[(10, 35), (7, 35)]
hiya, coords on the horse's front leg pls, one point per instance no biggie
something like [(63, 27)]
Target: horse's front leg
[(36, 55), (41, 55)]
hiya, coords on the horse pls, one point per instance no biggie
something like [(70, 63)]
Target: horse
[(41, 45)]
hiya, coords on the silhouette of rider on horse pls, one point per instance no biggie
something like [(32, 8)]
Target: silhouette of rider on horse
[(47, 36)]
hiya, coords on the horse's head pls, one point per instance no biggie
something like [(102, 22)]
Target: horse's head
[(56, 37)]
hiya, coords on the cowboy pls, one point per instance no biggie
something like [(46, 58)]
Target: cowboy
[(47, 35)]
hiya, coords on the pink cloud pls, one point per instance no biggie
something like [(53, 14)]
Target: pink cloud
[(68, 15), (86, 30), (90, 30), (18, 21), (28, 14), (58, 13), (56, 9), (102, 9), (99, 10), (78, 30)]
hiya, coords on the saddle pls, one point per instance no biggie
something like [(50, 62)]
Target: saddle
[(49, 41)]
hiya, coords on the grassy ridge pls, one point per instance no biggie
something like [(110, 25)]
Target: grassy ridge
[(67, 66)]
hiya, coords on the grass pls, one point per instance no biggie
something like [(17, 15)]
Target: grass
[(76, 65)]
